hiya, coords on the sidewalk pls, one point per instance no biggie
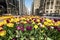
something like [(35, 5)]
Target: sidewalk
[(52, 17)]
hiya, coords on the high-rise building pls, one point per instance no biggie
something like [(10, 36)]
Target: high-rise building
[(22, 7), (3, 7), (46, 6), (24, 10), (52, 6), (32, 9), (12, 7), (42, 7), (36, 6), (9, 7)]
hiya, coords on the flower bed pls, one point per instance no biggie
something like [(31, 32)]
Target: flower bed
[(29, 28)]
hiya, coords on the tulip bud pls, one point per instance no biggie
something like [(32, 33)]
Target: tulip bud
[(28, 28), (20, 28)]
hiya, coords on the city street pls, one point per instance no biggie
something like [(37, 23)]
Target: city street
[(29, 19)]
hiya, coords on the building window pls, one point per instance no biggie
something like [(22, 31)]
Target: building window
[(49, 0), (50, 11), (57, 2), (59, 7), (51, 5), (57, 11), (47, 5), (45, 0), (46, 11)]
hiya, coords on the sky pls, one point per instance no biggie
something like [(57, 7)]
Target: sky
[(28, 4)]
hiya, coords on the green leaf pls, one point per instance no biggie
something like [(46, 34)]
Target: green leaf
[(5, 27), (49, 38)]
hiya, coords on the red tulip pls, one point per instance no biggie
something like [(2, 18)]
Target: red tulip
[(29, 22), (28, 28), (58, 29), (58, 19), (8, 20), (20, 28), (55, 27), (48, 27), (55, 20), (41, 20), (34, 19)]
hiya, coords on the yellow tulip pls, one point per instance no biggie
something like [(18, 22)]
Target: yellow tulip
[(43, 26), (46, 23), (12, 20), (48, 20), (1, 28), (23, 18), (16, 19), (2, 33), (1, 23), (38, 23), (10, 24), (24, 22), (35, 26), (56, 24), (5, 22), (38, 20), (52, 24), (33, 22)]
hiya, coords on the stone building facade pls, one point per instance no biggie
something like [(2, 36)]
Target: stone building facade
[(52, 6), (36, 5)]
